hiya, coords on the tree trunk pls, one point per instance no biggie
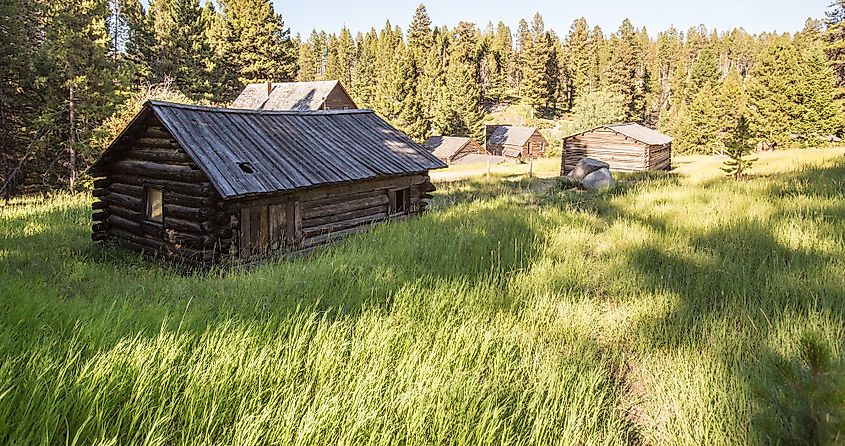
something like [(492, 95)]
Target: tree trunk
[(72, 139)]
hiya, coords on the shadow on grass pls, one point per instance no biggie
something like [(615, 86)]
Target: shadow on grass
[(51, 268)]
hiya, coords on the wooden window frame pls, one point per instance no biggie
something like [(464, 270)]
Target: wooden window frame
[(393, 206), (147, 210)]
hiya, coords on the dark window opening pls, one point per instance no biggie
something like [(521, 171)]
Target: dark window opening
[(155, 205), (400, 201), (246, 167)]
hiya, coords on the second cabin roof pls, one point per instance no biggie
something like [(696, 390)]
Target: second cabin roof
[(287, 95), (248, 152), (509, 135), (445, 146)]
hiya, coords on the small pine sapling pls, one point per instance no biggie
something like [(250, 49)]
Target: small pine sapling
[(738, 149)]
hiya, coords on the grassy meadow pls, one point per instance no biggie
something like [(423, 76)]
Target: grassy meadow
[(679, 309)]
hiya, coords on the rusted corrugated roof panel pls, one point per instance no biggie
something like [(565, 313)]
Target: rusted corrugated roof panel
[(249, 152)]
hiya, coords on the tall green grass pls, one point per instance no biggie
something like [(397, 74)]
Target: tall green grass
[(512, 313)]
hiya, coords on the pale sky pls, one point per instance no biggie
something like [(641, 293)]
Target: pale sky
[(656, 15)]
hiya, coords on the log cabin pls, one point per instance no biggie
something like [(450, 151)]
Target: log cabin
[(201, 186), (318, 95), (514, 143), (626, 147), (452, 148)]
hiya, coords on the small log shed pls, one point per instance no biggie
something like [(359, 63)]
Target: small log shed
[(514, 143), (452, 148), (201, 186), (626, 147)]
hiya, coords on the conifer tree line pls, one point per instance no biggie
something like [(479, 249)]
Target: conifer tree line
[(70, 65)]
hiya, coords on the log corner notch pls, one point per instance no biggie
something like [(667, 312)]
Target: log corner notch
[(160, 193)]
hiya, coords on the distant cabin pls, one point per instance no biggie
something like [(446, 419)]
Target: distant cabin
[(320, 95), (204, 185), (514, 143), (626, 147), (451, 149)]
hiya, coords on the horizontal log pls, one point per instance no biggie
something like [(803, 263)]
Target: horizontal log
[(202, 189), (99, 193), (102, 183), (184, 212), (116, 221), (159, 170), (331, 218), (342, 205), (343, 224), (99, 205), (158, 154), (127, 189), (126, 213), (100, 216), (190, 201), (321, 239), (124, 201), (185, 226), (156, 142), (99, 236)]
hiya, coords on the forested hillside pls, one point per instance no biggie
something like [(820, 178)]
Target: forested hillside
[(69, 66)]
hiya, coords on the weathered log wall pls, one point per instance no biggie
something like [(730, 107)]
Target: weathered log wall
[(200, 229), (300, 220), (621, 152), (190, 231)]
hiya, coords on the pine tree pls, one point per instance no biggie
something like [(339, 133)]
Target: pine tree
[(738, 148), (538, 58), (21, 24), (624, 74), (257, 46), (773, 93), (364, 73), (730, 103), (342, 57), (182, 49), (700, 131), (820, 111), (578, 57), (834, 37), (80, 72), (704, 72), (462, 83)]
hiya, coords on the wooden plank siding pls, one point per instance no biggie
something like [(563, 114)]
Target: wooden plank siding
[(338, 99), (621, 152)]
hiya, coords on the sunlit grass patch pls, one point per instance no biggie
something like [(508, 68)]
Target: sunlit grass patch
[(512, 313)]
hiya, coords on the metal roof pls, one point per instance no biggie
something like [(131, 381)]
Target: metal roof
[(510, 135), (285, 150), (445, 146), (286, 95), (641, 133)]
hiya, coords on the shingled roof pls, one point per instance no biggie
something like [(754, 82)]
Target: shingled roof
[(445, 146), (283, 150), (287, 95), (509, 135)]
